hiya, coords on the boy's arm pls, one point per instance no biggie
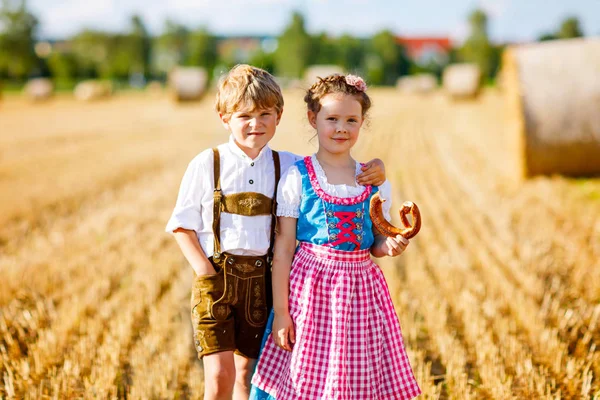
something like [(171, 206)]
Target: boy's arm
[(373, 173), (188, 243), (285, 245)]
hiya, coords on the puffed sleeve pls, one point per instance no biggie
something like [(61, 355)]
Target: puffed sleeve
[(385, 192), (187, 213), (289, 193)]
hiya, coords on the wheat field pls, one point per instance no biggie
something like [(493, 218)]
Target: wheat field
[(498, 296)]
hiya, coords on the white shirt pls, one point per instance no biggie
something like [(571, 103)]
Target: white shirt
[(239, 234), (289, 192)]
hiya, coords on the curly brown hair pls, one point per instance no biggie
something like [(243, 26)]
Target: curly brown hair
[(333, 84)]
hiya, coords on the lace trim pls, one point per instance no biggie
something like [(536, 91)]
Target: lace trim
[(284, 210), (336, 190), (342, 201)]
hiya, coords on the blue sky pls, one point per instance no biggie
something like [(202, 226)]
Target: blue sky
[(510, 20)]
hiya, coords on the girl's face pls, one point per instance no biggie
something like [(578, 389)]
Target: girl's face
[(337, 123)]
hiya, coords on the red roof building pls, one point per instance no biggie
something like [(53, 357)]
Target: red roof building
[(425, 50)]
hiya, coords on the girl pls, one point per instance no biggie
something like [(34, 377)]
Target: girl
[(335, 333)]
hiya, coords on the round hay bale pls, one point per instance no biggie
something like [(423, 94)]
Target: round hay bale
[(419, 83), (188, 83), (552, 91), (39, 89), (313, 72), (92, 90), (462, 80)]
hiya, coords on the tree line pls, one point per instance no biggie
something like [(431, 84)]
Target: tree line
[(136, 56)]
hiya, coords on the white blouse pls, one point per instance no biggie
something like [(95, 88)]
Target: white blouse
[(239, 234), (289, 192)]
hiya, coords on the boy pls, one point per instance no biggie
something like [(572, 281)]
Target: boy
[(224, 223)]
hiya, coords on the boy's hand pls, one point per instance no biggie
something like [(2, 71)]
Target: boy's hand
[(283, 331), (395, 246), (373, 173)]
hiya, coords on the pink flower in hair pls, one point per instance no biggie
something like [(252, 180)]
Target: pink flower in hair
[(357, 82)]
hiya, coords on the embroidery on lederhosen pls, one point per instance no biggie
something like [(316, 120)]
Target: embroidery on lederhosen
[(249, 204), (255, 310)]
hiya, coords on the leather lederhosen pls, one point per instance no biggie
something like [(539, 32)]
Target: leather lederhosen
[(230, 308)]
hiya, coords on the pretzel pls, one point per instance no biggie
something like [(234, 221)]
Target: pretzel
[(387, 229)]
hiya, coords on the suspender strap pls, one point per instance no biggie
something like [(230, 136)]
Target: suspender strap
[(218, 204), (217, 197), (274, 203)]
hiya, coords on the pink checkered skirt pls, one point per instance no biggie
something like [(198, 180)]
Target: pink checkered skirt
[(348, 339)]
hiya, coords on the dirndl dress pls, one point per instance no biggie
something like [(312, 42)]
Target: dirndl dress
[(348, 338)]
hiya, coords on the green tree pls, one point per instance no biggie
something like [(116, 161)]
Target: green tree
[(91, 50), (141, 46), (547, 36), (63, 66), (293, 51), (263, 60), (17, 39), (202, 50), (170, 48), (324, 50), (350, 53), (569, 29), (121, 59), (477, 48), (386, 59)]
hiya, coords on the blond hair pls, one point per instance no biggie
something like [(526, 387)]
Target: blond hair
[(334, 84), (247, 86)]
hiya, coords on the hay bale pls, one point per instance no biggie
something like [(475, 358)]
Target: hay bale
[(313, 72), (188, 83), (553, 105), (419, 83), (39, 89), (462, 80), (92, 90)]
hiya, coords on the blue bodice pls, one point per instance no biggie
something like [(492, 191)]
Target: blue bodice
[(341, 223)]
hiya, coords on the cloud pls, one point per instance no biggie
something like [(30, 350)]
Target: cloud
[(495, 8), (68, 17), (460, 32)]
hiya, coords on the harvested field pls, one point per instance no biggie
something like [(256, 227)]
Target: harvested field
[(498, 296)]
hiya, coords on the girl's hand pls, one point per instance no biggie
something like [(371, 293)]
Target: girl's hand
[(283, 331), (395, 246), (373, 173)]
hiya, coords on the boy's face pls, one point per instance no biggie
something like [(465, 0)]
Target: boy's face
[(252, 129)]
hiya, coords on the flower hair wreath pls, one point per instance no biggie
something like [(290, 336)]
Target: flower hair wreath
[(357, 82)]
